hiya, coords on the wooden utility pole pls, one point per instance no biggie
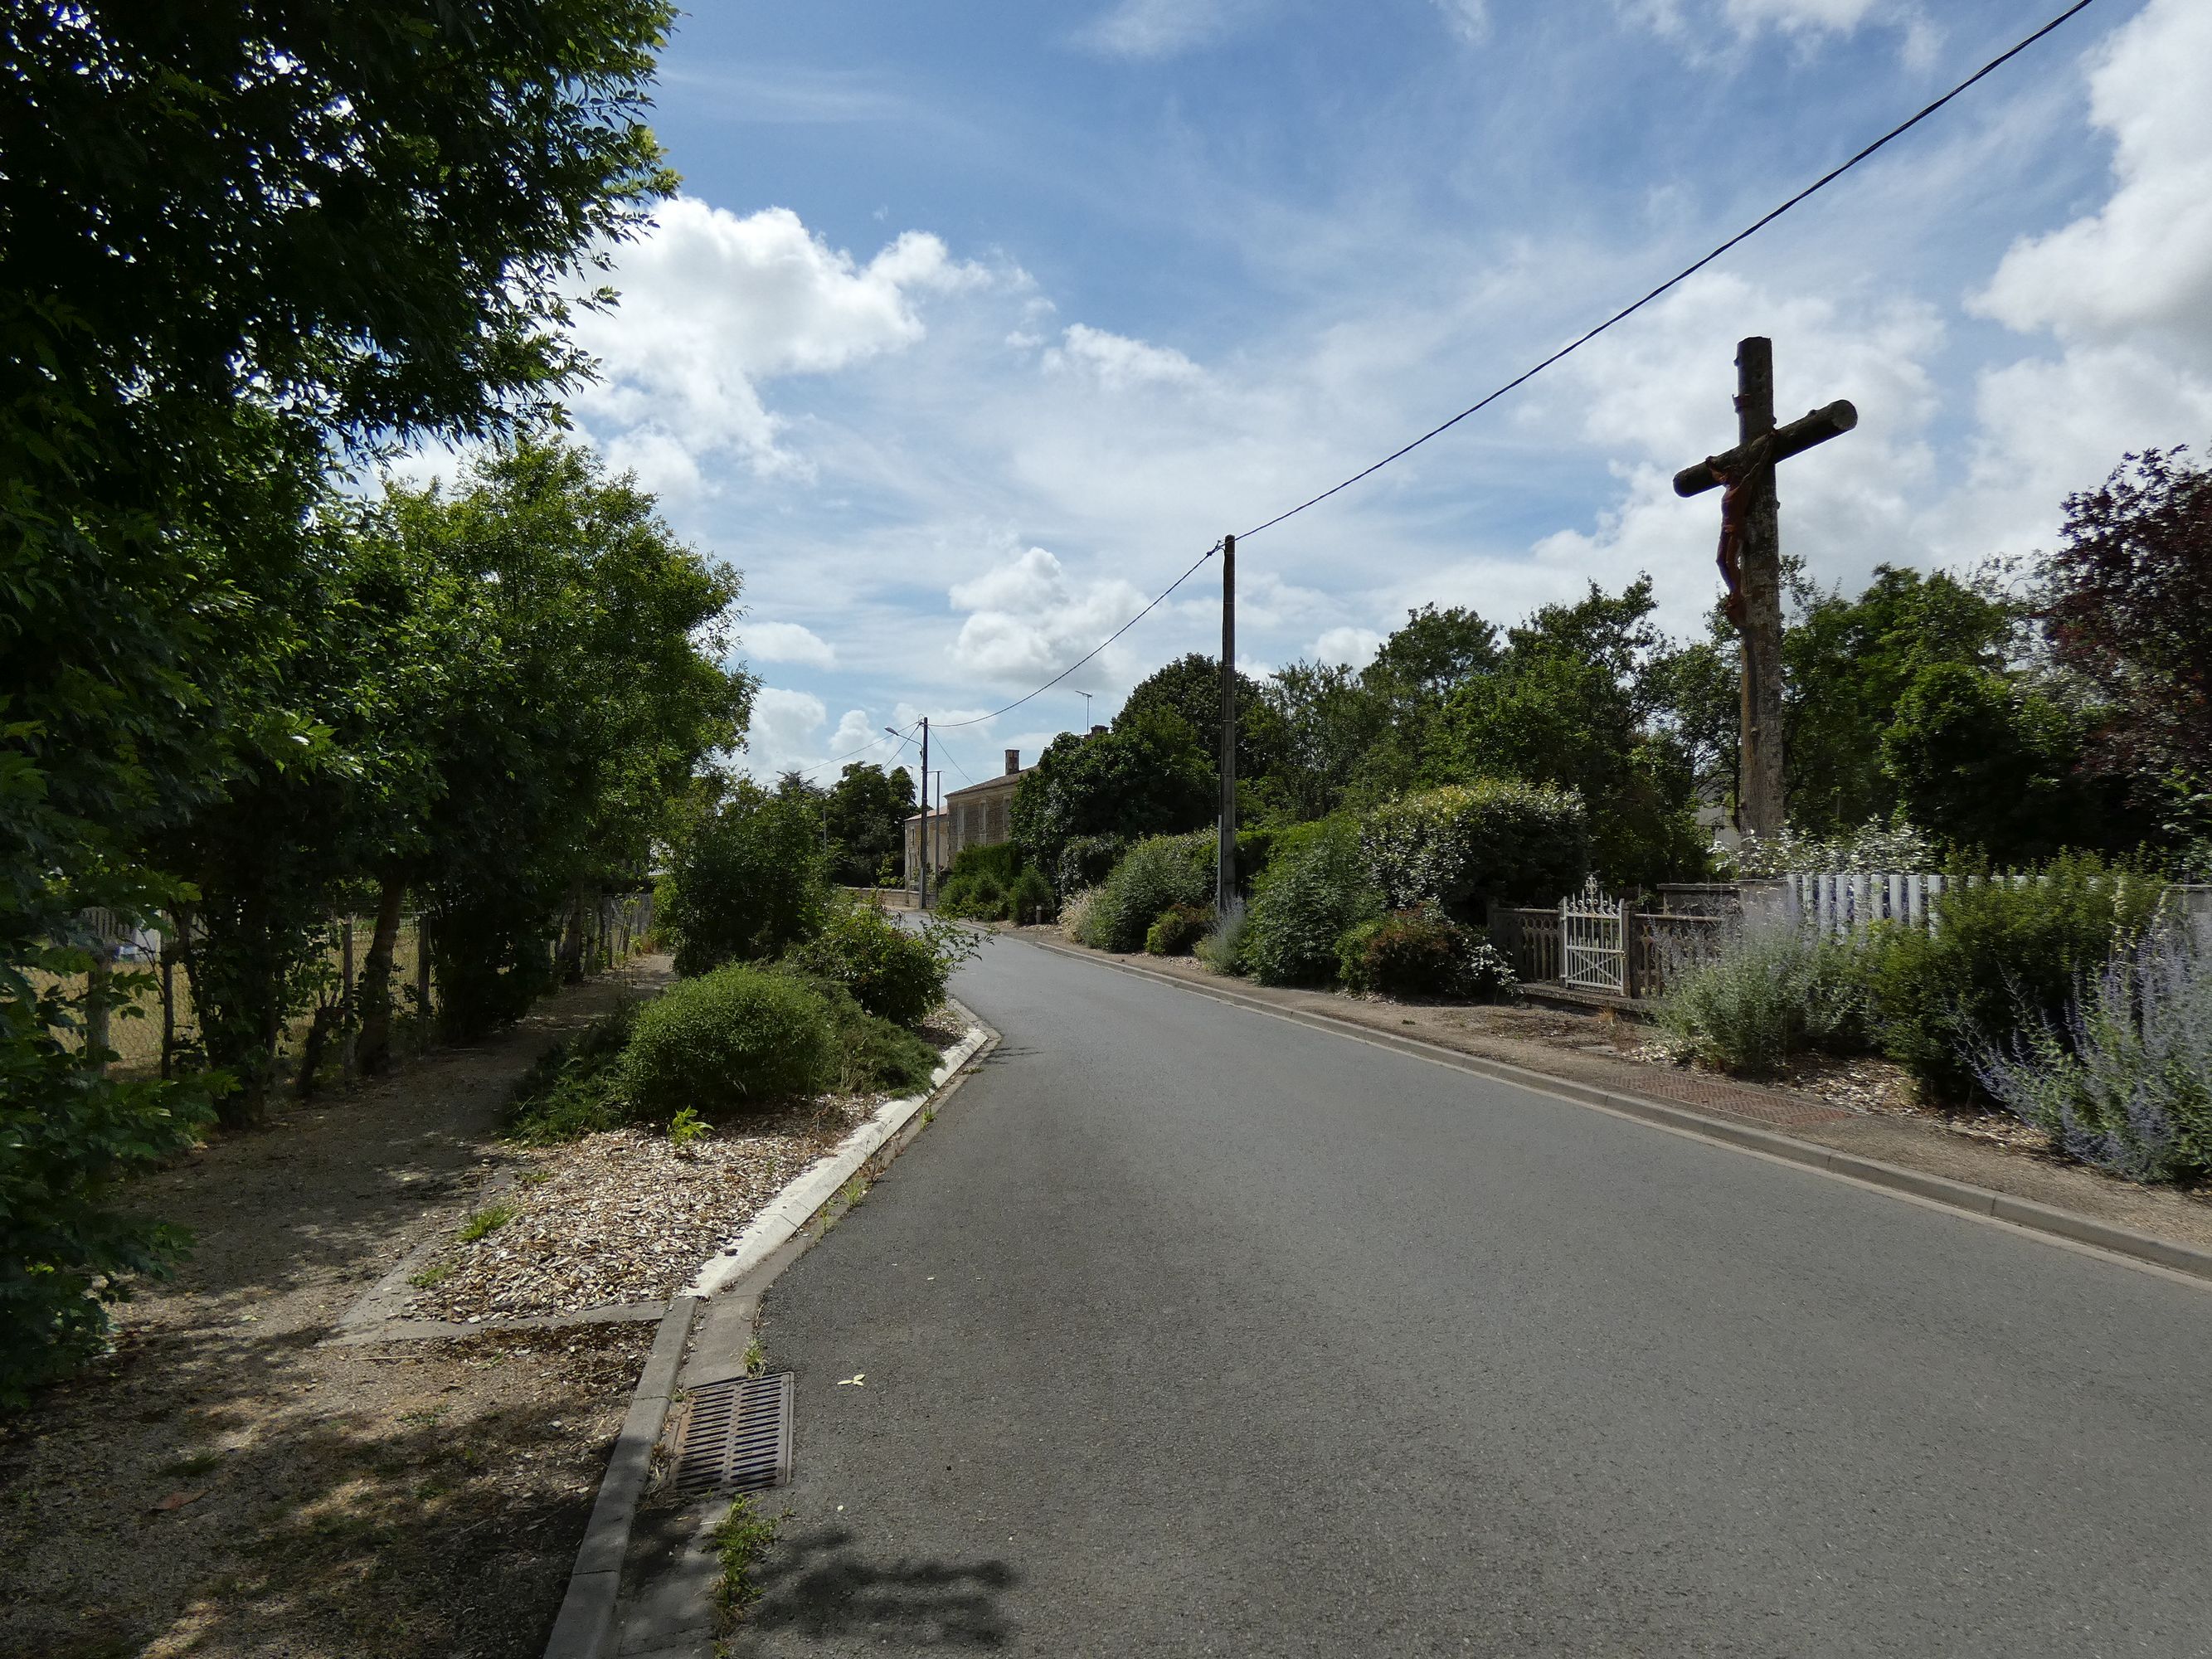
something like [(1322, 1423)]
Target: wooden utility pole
[(921, 896), (1751, 563), (1224, 874)]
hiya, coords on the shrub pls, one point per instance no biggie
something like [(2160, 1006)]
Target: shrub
[(738, 1036), (2003, 956), (1873, 845), (1769, 995), (2124, 1082), (1075, 913), (1316, 890), (975, 894), (1178, 930), (574, 1088), (1156, 873), (1449, 849), (894, 973), (1030, 899), (1421, 953), (1086, 861), (1223, 947), (749, 882)]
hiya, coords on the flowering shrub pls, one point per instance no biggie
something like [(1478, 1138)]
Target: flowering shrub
[(1315, 887), (2124, 1080), (1449, 849), (1775, 994), (1157, 872), (1873, 845), (1416, 953)]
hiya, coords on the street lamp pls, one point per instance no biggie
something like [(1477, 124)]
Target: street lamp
[(1085, 696)]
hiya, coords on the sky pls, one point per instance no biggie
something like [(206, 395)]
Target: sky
[(976, 322)]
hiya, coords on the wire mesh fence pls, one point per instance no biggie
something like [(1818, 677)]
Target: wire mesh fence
[(153, 1026)]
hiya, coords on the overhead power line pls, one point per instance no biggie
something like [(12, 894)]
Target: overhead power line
[(809, 771), (1565, 351)]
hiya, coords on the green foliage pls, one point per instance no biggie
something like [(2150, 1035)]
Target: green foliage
[(896, 973), (2123, 1081), (749, 883), (876, 1057), (1575, 703), (1317, 889), (1030, 899), (574, 1088), (738, 1038), (68, 1140), (865, 816), (1148, 776), (483, 1223), (1222, 949), (1190, 689), (2003, 955), (1178, 930), (1873, 845), (1154, 875), (1453, 848), (1767, 998), (686, 1127), (980, 883), (1086, 861), (1422, 953)]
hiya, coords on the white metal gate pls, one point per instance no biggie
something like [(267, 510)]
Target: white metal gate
[(1593, 941)]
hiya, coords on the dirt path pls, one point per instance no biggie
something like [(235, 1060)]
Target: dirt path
[(233, 1483)]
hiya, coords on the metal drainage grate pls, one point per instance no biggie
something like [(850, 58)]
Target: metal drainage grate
[(736, 1437)]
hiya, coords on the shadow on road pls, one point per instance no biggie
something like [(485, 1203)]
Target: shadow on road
[(816, 1585)]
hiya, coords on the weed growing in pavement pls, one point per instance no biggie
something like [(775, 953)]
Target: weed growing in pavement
[(741, 1537), (432, 1276), (756, 1357), (485, 1222)]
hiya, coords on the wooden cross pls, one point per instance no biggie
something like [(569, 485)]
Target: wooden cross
[(1751, 562)]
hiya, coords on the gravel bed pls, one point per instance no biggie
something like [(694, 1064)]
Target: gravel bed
[(625, 1216)]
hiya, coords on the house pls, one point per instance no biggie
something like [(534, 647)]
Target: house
[(979, 816)]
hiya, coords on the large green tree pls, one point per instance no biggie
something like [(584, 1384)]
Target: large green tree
[(1147, 777), (241, 238), (865, 816)]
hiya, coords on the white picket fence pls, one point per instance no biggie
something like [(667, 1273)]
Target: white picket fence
[(1839, 903)]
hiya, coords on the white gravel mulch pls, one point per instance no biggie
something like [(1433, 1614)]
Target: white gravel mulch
[(626, 1217)]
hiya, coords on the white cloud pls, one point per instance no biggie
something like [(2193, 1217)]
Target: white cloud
[(1355, 648), (1117, 362), (854, 730), (2142, 264), (782, 731), (1028, 619), (1161, 28), (783, 641), (1468, 19), (1693, 24), (714, 306)]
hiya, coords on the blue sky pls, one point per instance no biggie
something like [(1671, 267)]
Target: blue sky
[(977, 322)]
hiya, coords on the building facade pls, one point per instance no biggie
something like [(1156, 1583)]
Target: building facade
[(981, 815)]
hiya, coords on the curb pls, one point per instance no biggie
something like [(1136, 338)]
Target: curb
[(585, 1623), (2044, 1219)]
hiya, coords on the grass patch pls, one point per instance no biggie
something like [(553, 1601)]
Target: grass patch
[(486, 1222), (573, 1089), (431, 1277), (741, 1538)]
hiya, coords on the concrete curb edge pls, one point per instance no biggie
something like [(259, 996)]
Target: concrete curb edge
[(585, 1625), (2065, 1226)]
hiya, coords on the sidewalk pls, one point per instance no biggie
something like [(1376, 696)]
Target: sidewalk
[(1919, 1146)]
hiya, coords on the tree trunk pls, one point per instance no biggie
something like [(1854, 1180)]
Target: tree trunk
[(372, 1051), (572, 939)]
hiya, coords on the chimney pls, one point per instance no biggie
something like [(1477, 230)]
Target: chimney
[(1097, 730), (1013, 762)]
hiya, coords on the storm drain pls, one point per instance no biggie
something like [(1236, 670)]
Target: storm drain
[(735, 1436)]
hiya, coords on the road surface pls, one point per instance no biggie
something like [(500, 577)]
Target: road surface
[(1188, 1330)]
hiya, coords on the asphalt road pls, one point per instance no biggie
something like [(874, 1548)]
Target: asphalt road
[(1188, 1330)]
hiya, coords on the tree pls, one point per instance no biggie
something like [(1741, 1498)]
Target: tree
[(1190, 687), (1574, 701), (2126, 606), (865, 815), (1148, 777), (241, 239), (748, 884), (1330, 724)]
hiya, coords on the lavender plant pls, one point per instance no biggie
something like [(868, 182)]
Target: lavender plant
[(2122, 1081)]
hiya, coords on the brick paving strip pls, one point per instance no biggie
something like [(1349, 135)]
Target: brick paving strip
[(2162, 1227)]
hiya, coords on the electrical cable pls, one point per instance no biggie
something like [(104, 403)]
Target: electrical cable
[(1523, 378), (808, 771), (1685, 273)]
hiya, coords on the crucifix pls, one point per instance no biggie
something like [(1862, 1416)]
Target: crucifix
[(1751, 563)]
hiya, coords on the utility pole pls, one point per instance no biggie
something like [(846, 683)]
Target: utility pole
[(922, 896), (1751, 564), (1225, 875), (1085, 696)]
